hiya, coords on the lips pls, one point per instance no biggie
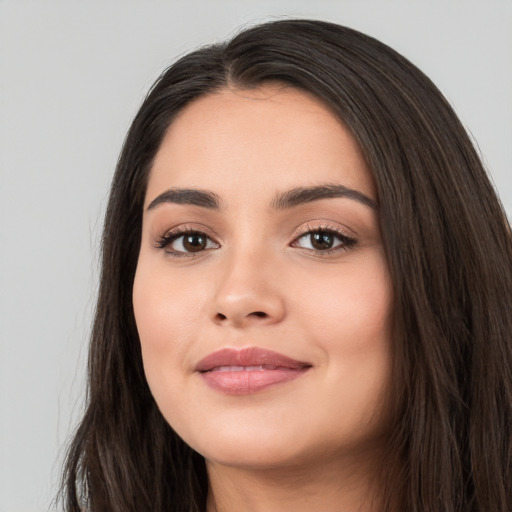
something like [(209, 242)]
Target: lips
[(249, 370)]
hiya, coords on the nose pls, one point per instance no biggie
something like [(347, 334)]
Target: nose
[(248, 292)]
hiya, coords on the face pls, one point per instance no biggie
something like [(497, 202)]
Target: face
[(262, 295)]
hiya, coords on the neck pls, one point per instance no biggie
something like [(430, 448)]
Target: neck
[(329, 487)]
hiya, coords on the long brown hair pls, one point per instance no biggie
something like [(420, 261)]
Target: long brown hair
[(449, 250)]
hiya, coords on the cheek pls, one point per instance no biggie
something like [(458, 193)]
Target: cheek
[(349, 318), (164, 307), (164, 314), (352, 308)]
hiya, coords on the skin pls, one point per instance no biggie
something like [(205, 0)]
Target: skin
[(260, 282)]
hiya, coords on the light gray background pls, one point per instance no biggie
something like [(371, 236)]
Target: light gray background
[(72, 75)]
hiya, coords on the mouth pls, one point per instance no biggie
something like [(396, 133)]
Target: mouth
[(246, 371)]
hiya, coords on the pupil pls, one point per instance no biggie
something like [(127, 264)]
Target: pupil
[(194, 243), (322, 240)]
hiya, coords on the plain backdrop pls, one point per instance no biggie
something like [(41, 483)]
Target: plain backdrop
[(72, 75)]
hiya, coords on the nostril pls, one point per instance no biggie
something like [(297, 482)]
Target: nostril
[(236, 319)]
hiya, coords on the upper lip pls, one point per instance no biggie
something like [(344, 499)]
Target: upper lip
[(252, 356)]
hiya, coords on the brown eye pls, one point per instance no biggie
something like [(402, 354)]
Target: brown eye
[(324, 241), (194, 242), (186, 242)]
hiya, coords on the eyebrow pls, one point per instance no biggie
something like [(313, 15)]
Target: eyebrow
[(302, 195), (191, 196), (282, 201)]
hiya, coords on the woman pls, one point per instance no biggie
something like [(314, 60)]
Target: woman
[(305, 293)]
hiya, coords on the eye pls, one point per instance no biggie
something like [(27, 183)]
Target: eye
[(186, 242), (323, 240)]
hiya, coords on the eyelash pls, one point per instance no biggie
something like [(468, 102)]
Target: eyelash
[(171, 236), (347, 242)]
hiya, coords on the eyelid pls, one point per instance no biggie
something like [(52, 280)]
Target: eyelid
[(348, 239), (170, 235), (344, 234), (314, 225)]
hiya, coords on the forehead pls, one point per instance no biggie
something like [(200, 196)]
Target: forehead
[(269, 139)]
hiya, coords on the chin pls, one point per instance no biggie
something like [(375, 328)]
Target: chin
[(278, 447), (259, 447)]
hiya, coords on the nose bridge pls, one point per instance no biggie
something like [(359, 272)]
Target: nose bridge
[(247, 291)]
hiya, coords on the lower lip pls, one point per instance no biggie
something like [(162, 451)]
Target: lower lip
[(247, 381)]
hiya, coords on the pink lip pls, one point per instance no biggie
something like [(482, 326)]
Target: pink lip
[(240, 372)]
